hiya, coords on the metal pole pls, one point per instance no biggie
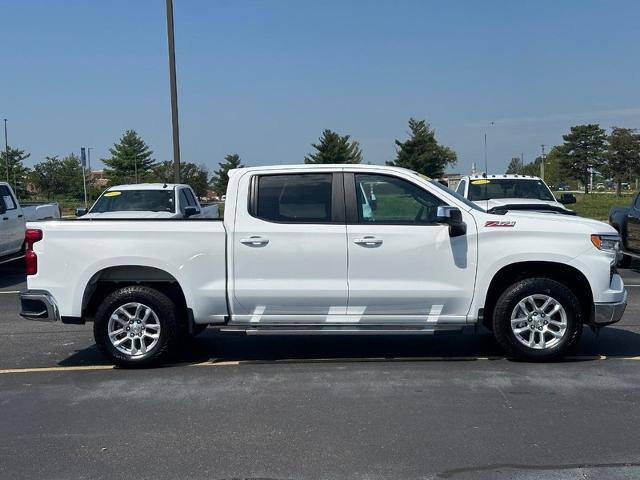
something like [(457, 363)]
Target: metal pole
[(542, 164), (174, 93), (89, 156), (6, 148)]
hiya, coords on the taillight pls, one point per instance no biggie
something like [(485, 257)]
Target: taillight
[(31, 236)]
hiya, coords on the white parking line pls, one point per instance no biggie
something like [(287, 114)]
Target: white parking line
[(7, 292)]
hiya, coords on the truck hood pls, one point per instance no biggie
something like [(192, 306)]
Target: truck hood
[(501, 202), (130, 215)]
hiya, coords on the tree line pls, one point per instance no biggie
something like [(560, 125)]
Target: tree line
[(131, 161), (586, 150)]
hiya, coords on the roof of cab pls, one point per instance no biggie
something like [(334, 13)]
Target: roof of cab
[(147, 186), (318, 166), (479, 176)]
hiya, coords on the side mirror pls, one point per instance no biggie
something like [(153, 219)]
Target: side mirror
[(81, 211), (190, 211), (567, 198), (451, 216)]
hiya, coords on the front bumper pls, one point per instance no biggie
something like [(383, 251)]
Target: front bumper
[(39, 305), (608, 313)]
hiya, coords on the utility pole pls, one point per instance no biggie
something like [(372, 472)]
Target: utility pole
[(174, 93), (6, 148), (542, 164), (89, 157)]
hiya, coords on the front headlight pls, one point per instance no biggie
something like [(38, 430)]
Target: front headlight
[(608, 243)]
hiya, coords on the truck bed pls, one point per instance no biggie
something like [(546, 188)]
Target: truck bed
[(76, 253)]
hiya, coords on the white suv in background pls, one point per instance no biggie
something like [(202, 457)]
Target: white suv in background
[(513, 192)]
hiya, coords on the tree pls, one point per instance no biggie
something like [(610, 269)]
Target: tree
[(130, 160), (196, 176), (54, 177), (551, 167), (622, 158), (334, 148), (221, 176), (421, 152), (515, 166), (583, 151), (18, 173)]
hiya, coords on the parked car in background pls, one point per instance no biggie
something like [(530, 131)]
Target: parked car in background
[(331, 249), (149, 200), (626, 220), (513, 192), (13, 217)]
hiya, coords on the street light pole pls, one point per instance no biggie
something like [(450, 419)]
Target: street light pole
[(174, 93), (542, 163), (6, 148)]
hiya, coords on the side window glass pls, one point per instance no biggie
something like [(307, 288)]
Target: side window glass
[(389, 200), (461, 187), (192, 199), (7, 197), (294, 198), (184, 201)]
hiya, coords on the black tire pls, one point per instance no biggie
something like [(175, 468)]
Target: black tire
[(165, 311), (536, 286), (625, 261)]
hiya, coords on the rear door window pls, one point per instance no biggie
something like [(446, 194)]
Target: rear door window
[(7, 197), (294, 198)]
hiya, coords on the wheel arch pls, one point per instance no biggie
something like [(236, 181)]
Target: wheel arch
[(569, 276), (110, 279)]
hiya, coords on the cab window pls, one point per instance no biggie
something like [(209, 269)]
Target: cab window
[(388, 200)]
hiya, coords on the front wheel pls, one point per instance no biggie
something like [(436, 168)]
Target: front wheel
[(537, 319), (136, 326)]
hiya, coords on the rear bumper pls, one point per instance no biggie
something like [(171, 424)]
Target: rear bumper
[(608, 313), (39, 305)]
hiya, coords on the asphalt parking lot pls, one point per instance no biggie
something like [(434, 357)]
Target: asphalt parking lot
[(234, 407)]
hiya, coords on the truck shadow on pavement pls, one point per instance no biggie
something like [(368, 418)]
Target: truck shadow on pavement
[(12, 274), (212, 346)]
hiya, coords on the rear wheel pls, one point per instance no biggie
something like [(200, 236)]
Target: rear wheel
[(136, 326), (537, 319)]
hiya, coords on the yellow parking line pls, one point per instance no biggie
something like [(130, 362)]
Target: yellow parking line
[(76, 368)]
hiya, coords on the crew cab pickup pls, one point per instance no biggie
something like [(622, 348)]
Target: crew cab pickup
[(513, 192), (626, 220), (13, 217), (149, 200), (338, 249)]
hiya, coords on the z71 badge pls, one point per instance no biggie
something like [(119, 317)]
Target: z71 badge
[(494, 223)]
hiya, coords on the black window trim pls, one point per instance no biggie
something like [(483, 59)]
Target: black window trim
[(337, 198), (351, 201)]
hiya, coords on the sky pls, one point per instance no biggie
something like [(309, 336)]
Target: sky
[(263, 78)]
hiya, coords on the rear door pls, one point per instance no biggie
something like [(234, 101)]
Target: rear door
[(11, 223), (289, 249), (403, 266)]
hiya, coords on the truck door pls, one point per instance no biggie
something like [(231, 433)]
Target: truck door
[(633, 225), (11, 223), (289, 249), (404, 267)]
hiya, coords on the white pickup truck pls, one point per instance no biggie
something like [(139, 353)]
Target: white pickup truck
[(148, 200), (13, 217), (513, 192), (335, 249)]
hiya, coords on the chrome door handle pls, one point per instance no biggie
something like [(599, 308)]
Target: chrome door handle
[(368, 241), (255, 241)]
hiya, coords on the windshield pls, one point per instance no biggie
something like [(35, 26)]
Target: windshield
[(135, 201), (456, 195), (492, 188)]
